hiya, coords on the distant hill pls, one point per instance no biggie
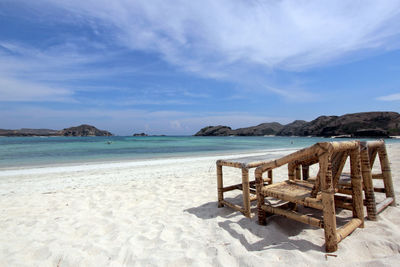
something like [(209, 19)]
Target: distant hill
[(82, 130), (363, 124), (28, 132)]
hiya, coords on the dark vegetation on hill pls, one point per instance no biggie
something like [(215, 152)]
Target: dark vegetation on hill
[(364, 124)]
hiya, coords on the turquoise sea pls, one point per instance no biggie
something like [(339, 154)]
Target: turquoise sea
[(43, 151)]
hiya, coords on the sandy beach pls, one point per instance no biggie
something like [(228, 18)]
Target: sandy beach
[(164, 213)]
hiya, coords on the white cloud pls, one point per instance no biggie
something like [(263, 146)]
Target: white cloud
[(208, 36), (238, 41), (392, 97)]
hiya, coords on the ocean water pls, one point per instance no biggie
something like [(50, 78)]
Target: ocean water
[(44, 151)]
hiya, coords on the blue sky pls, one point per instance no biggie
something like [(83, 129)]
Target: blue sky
[(173, 67)]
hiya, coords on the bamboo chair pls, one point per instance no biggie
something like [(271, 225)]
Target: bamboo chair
[(368, 153), (319, 194)]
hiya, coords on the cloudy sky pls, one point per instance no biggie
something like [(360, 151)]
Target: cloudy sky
[(173, 67)]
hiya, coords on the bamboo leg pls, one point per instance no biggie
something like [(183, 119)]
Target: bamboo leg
[(298, 172), (246, 192), (306, 172), (368, 184), (387, 175), (270, 175), (220, 186), (260, 197), (291, 171), (358, 208), (328, 202)]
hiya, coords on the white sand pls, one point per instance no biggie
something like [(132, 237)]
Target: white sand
[(164, 213)]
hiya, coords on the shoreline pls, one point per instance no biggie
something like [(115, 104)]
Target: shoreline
[(91, 165)]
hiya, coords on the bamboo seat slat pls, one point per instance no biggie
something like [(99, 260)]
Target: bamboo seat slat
[(289, 191)]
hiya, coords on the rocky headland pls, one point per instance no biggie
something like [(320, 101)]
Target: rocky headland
[(140, 134), (82, 130), (363, 124)]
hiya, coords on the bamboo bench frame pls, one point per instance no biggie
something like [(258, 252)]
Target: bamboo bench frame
[(249, 193), (319, 195), (368, 152)]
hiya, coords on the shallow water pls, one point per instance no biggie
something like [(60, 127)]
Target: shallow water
[(42, 151)]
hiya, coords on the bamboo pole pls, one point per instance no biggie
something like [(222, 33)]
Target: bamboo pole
[(298, 172), (220, 186), (348, 228), (382, 205), (310, 152), (372, 152), (253, 198), (260, 197), (305, 171), (294, 216), (379, 190), (341, 160), (328, 201), (232, 187), (246, 192), (343, 204), (367, 181), (345, 190), (387, 175), (377, 176), (356, 183), (311, 202), (270, 177), (233, 206), (291, 171)]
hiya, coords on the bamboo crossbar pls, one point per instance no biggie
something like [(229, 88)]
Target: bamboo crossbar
[(309, 153), (374, 144), (253, 198), (311, 202), (379, 190), (241, 165), (294, 216), (233, 206), (240, 186), (345, 191), (385, 203), (377, 176), (232, 187), (348, 228)]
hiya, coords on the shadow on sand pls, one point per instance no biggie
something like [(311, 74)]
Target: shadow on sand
[(275, 235)]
